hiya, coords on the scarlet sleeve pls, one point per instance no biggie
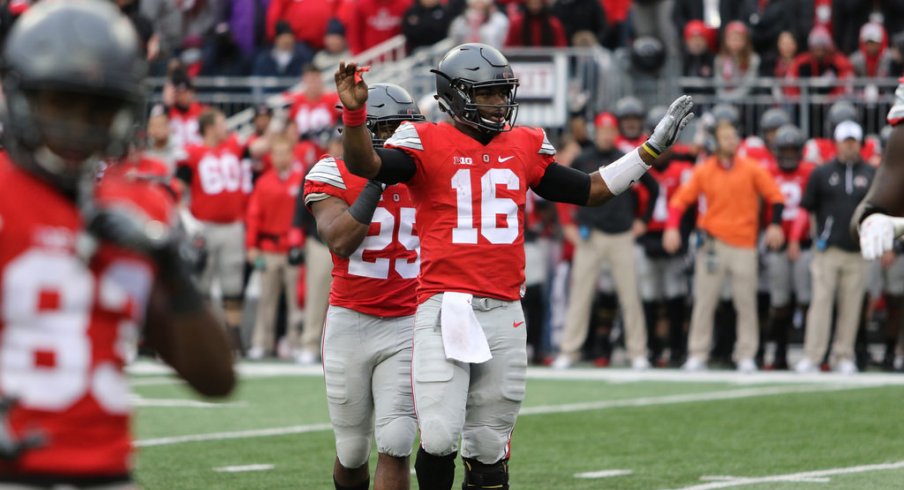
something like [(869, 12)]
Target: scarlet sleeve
[(546, 156), (323, 181), (407, 138)]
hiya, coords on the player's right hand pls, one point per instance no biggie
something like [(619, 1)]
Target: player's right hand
[(350, 86), (877, 234), (676, 118)]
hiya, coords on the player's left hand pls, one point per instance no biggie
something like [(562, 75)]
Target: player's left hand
[(877, 234), (670, 126), (11, 446)]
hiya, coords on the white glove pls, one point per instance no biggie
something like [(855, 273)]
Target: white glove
[(877, 234), (675, 119)]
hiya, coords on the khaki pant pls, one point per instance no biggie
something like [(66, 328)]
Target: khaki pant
[(277, 274), (589, 255), (715, 260), (318, 278), (841, 276)]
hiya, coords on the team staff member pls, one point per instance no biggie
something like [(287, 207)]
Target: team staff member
[(833, 192), (732, 187)]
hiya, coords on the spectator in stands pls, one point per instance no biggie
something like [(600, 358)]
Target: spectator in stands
[(247, 21), (313, 110), (838, 271), (736, 66), (821, 62), (896, 50), (697, 59), (335, 48), (654, 18), (373, 22), (893, 16), (286, 58), (199, 18), (715, 14), (607, 235), (142, 25), (308, 19), (160, 144), (481, 22), (426, 23), (535, 26), (221, 57), (732, 187), (872, 59), (848, 16), (769, 19), (777, 61), (267, 226), (184, 110), (166, 17), (580, 15)]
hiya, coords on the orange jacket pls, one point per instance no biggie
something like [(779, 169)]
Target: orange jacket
[(731, 210)]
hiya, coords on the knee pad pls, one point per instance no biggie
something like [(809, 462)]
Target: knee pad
[(434, 472), (353, 452), (485, 476), (437, 437), (396, 438)]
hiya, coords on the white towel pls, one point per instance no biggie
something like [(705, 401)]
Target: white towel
[(463, 337)]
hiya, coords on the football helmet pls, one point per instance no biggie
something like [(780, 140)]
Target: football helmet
[(387, 106), (466, 69), (841, 111), (773, 119), (629, 106), (725, 112), (789, 146), (72, 75)]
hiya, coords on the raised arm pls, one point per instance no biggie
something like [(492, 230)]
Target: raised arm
[(357, 146)]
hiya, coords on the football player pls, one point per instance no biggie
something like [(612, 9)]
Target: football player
[(83, 265), (788, 271), (761, 147), (468, 181), (629, 113), (369, 229)]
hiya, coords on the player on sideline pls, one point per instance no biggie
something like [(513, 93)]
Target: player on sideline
[(370, 322), (879, 217), (82, 266), (468, 181)]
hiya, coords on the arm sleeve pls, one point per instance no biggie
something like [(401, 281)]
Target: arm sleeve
[(564, 184), (397, 166)]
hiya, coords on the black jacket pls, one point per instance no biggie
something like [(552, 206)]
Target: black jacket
[(729, 10), (425, 27), (580, 15), (617, 215), (833, 192)]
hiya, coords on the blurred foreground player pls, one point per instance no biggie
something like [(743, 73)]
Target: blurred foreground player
[(83, 266), (369, 229)]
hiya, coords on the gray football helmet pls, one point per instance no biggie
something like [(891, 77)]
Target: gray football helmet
[(789, 147), (387, 106)]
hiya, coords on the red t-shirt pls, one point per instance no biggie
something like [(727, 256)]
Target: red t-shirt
[(627, 145), (470, 205), (311, 116), (669, 181), (373, 22), (792, 185), (220, 183), (270, 211), (184, 125), (64, 325), (380, 278)]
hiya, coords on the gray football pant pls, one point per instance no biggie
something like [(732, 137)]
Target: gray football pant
[(477, 403), (367, 368)]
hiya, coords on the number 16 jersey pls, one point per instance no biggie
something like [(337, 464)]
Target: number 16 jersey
[(470, 201)]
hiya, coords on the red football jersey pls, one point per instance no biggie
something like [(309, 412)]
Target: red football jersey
[(184, 125), (822, 150), (380, 278), (792, 185), (220, 182), (314, 115), (626, 145), (65, 325), (148, 169), (669, 180), (754, 148), (470, 205)]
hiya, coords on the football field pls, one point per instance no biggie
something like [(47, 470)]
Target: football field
[(578, 429)]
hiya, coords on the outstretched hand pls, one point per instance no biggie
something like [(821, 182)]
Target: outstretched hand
[(670, 126), (351, 86)]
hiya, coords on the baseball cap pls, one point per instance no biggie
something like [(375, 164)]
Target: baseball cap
[(820, 38), (871, 32), (694, 28), (605, 119), (848, 130), (283, 27)]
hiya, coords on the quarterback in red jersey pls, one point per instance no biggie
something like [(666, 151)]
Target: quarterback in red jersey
[(469, 180), (788, 271), (219, 184), (82, 267), (370, 232)]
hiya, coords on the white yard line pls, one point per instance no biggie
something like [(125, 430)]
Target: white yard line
[(140, 401), (735, 478), (543, 409), (590, 475), (244, 468), (796, 477)]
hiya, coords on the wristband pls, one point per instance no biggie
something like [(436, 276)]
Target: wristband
[(362, 210), (622, 173), (354, 117), (651, 149)]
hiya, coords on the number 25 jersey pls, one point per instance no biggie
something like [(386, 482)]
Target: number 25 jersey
[(470, 201)]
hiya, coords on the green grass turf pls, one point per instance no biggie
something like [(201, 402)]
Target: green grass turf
[(666, 446)]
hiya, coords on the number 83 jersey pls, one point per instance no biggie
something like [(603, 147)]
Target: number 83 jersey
[(380, 278), (470, 205)]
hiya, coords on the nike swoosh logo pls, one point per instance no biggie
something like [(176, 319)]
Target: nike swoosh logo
[(517, 324), (503, 160)]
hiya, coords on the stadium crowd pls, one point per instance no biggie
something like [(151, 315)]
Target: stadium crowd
[(734, 246)]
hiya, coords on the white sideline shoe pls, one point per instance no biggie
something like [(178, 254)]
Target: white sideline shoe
[(747, 366), (640, 364), (256, 353), (804, 366), (693, 364), (306, 358), (846, 367), (562, 361)]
